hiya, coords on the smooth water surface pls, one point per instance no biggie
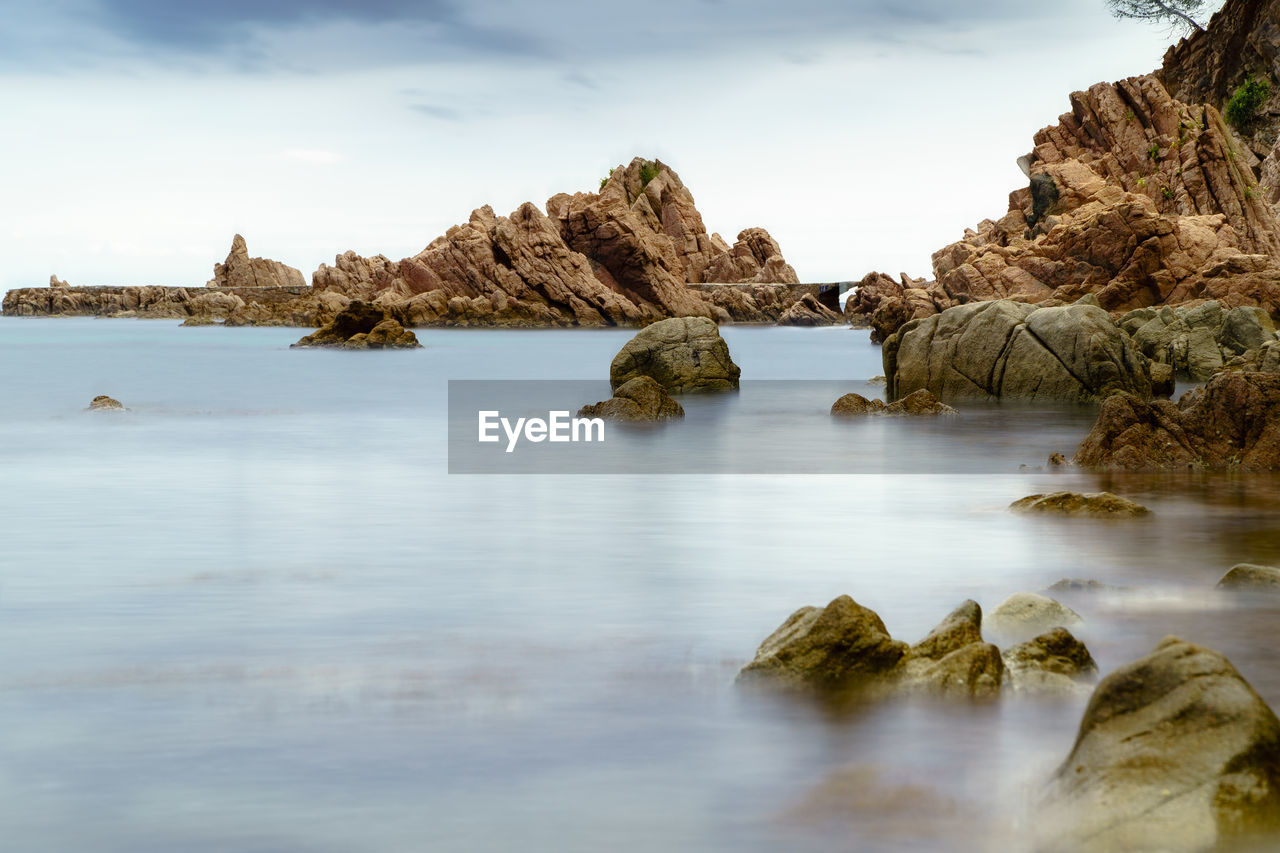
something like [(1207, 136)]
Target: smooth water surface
[(256, 613)]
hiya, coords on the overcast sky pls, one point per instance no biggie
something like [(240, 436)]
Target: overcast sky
[(140, 135)]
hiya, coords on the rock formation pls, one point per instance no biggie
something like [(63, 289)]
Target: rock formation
[(841, 647), (1007, 349), (1198, 340), (103, 403), (1247, 576), (362, 325), (1054, 662), (624, 256), (684, 354), (1102, 504), (1136, 197), (1176, 752), (1028, 614), (1233, 422), (1242, 42), (638, 400), (915, 404), (240, 270), (844, 651)]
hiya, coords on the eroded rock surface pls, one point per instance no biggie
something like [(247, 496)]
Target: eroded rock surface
[(362, 325), (1233, 422), (1176, 752), (1247, 576), (1024, 615), (684, 354), (1008, 349)]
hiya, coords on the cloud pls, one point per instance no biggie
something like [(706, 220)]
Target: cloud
[(437, 112), (316, 156), (327, 35)]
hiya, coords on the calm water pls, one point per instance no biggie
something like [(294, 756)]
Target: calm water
[(256, 613)]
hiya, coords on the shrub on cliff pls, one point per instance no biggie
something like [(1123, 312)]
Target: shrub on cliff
[(1242, 109)]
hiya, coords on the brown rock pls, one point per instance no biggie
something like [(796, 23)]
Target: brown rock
[(1053, 662), (103, 403), (1007, 349), (1074, 503), (362, 325), (684, 354), (1233, 422), (1176, 752), (1247, 576), (841, 647), (240, 270), (638, 400)]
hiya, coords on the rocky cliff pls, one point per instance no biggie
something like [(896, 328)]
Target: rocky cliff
[(1133, 196)]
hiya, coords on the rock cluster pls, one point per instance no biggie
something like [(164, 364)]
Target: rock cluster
[(1198, 340), (916, 404), (844, 650), (1176, 752), (1008, 349), (362, 326), (684, 354), (638, 400), (626, 255), (1233, 422)]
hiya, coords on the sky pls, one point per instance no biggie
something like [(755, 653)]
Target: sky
[(140, 135)]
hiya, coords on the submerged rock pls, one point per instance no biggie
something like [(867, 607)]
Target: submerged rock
[(1054, 662), (362, 325), (953, 660), (917, 403), (1233, 422), (1247, 576), (1176, 752), (841, 647), (1074, 503), (638, 400), (103, 403), (1029, 614), (684, 354)]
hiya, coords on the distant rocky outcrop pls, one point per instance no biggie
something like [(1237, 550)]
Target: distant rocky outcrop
[(684, 354), (625, 256), (362, 326), (638, 400), (1231, 423), (240, 270), (1176, 753), (1008, 349)]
